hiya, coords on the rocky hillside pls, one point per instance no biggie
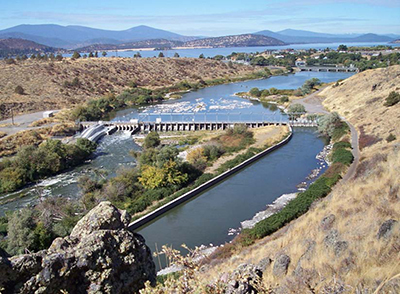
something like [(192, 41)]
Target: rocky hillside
[(246, 40), (100, 256), (13, 46), (54, 85), (349, 242)]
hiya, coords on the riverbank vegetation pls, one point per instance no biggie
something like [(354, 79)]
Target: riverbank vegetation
[(282, 96), (32, 163)]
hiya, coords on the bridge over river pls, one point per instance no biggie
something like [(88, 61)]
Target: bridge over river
[(329, 68), (167, 122)]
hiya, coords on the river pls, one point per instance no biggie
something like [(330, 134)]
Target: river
[(293, 162)]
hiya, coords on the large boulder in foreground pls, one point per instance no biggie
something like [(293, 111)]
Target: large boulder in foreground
[(100, 256)]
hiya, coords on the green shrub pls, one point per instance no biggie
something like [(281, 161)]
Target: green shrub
[(341, 145), (293, 210), (390, 138), (284, 99), (19, 90), (152, 140), (343, 156), (392, 99)]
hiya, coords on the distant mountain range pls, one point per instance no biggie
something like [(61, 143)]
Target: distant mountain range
[(79, 36), (71, 37), (297, 36), (12, 47)]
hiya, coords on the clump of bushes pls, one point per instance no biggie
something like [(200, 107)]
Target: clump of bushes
[(342, 155), (32, 163), (332, 126), (392, 99), (390, 138), (19, 90)]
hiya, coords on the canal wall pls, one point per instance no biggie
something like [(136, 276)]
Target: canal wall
[(196, 191)]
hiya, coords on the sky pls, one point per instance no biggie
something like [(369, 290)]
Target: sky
[(210, 17)]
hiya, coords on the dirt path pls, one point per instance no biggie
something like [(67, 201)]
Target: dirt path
[(312, 102)]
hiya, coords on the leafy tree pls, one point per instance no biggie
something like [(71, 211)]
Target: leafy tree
[(201, 56), (218, 57), (152, 140), (176, 55), (104, 53), (76, 55), (161, 54), (255, 92), (166, 154), (96, 54), (152, 177), (342, 48), (137, 55), (91, 55), (197, 159), (59, 57), (87, 146), (328, 123), (19, 90), (297, 108), (21, 234)]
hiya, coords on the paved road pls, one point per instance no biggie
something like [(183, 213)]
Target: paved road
[(21, 122), (313, 104)]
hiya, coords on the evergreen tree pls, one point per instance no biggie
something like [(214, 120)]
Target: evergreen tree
[(76, 55), (161, 54)]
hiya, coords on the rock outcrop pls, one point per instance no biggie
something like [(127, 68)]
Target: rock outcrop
[(100, 256)]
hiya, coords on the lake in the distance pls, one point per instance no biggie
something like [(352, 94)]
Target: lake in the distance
[(211, 52)]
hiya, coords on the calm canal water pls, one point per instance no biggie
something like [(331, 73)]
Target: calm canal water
[(208, 218)]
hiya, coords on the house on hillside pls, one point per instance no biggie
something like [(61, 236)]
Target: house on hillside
[(300, 62)]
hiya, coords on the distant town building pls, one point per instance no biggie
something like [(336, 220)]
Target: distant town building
[(300, 62)]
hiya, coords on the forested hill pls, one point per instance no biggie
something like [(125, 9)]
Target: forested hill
[(246, 40), (13, 46), (154, 43)]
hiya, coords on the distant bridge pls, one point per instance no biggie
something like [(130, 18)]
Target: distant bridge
[(329, 68), (99, 129)]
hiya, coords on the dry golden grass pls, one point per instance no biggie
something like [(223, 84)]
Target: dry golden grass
[(360, 206), (43, 82)]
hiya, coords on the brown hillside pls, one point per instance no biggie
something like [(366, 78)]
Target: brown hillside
[(47, 85), (341, 244)]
